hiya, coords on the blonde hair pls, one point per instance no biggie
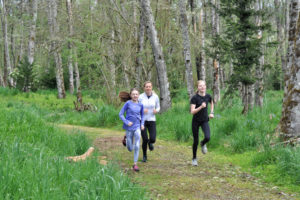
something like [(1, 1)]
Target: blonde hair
[(201, 81), (198, 82)]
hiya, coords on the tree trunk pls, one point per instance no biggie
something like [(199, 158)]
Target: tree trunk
[(161, 68), (55, 48), (7, 62), (290, 119), (200, 58), (247, 97), (259, 85), (280, 37), (140, 49), (216, 31), (293, 18), (12, 48), (222, 77), (1, 80), (70, 46), (21, 45), (112, 66), (77, 74), (192, 5), (31, 41), (186, 48)]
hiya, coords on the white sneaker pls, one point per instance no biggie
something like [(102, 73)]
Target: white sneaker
[(194, 162), (204, 149)]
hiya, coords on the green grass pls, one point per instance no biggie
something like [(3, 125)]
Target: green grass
[(33, 164), (245, 141)]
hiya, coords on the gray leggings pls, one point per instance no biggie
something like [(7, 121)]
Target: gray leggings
[(136, 134)]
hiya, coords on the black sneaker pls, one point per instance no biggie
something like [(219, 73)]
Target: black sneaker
[(144, 159), (124, 141), (151, 147)]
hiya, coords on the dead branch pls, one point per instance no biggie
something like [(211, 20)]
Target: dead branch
[(84, 156)]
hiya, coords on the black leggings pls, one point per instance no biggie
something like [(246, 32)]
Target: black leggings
[(195, 129), (151, 126)]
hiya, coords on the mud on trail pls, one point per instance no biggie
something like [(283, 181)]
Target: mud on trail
[(168, 174)]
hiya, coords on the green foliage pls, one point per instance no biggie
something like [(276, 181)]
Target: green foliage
[(240, 41), (26, 76)]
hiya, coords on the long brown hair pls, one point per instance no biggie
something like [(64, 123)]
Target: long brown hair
[(125, 96)]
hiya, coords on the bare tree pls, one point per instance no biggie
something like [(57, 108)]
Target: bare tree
[(140, 49), (202, 63), (290, 119), (259, 86), (55, 47), (70, 45), (216, 31), (280, 36), (7, 79), (32, 31), (186, 48), (161, 68)]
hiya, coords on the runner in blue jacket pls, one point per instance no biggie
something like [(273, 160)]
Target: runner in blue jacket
[(133, 123)]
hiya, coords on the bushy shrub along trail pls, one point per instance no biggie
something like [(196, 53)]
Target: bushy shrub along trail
[(168, 174)]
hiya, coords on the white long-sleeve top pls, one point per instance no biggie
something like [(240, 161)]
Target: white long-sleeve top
[(150, 103)]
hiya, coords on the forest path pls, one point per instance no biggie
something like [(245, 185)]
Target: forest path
[(168, 174)]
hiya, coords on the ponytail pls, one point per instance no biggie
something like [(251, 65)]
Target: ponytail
[(124, 96)]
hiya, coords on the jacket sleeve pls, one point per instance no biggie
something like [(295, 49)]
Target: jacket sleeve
[(142, 115), (121, 113), (157, 105)]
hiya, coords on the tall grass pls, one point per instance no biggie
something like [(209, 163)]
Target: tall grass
[(33, 164)]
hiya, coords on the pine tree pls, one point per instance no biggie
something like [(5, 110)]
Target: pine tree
[(242, 44)]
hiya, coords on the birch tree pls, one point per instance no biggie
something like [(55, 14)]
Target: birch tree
[(202, 73), (161, 68), (55, 47), (259, 88), (280, 36), (32, 31), (290, 118), (215, 32), (72, 57), (186, 48), (7, 79), (140, 49), (70, 45)]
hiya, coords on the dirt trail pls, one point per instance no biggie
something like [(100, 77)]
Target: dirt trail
[(168, 174)]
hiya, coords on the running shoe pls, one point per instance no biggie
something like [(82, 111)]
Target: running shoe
[(194, 162), (145, 159), (124, 141), (135, 168), (204, 149), (151, 146)]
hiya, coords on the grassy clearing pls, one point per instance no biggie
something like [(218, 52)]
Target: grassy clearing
[(234, 136)]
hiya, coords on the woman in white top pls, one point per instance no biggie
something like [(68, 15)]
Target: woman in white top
[(151, 105)]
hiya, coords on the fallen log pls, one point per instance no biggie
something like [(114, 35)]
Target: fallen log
[(81, 157)]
